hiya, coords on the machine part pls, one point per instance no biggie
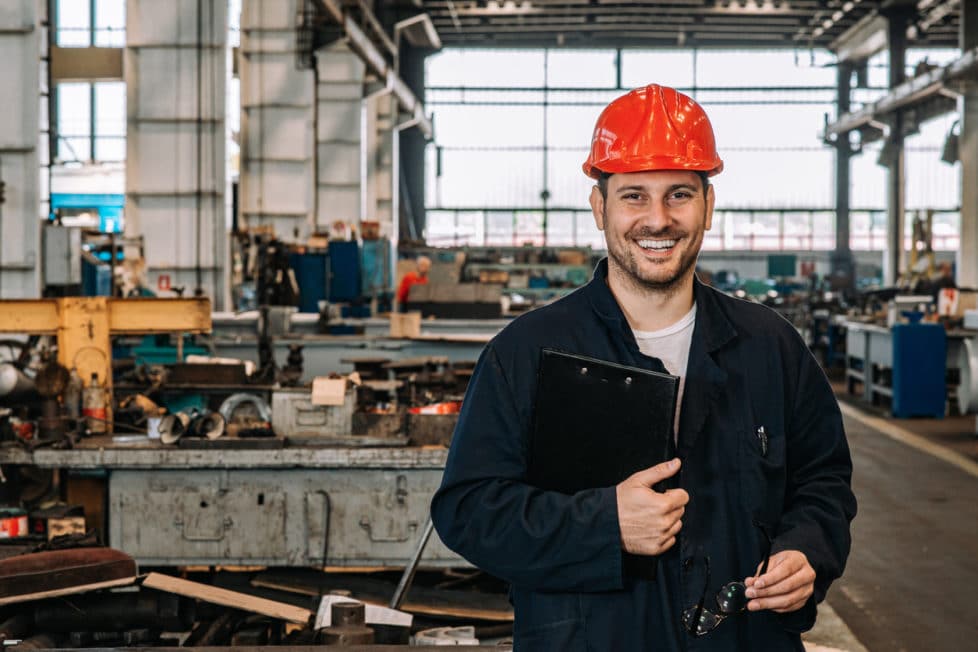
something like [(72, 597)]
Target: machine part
[(17, 626), (94, 407), (291, 374), (50, 425), (73, 393), (968, 370), (464, 635), (294, 415), (112, 612), (234, 409), (173, 426), (13, 382), (348, 625), (408, 576), (206, 424), (52, 378), (37, 642)]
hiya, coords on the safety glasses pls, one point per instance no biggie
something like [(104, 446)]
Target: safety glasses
[(731, 599)]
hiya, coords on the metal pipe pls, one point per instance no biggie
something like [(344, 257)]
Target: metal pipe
[(408, 577), (13, 382)]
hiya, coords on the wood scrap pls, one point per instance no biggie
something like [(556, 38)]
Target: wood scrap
[(227, 598), (420, 600)]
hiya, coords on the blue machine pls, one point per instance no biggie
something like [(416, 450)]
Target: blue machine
[(344, 269), (919, 370), (108, 206), (311, 273)]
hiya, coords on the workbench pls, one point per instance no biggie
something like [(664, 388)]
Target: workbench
[(303, 506)]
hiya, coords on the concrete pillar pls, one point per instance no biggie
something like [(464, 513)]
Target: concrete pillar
[(967, 256), (412, 146), (896, 180), (339, 126), (277, 177), (19, 111), (175, 69), (378, 150), (841, 259)]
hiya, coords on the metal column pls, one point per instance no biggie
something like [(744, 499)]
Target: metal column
[(967, 256), (175, 70), (277, 113), (897, 19), (377, 149), (20, 234), (843, 269), (339, 94)]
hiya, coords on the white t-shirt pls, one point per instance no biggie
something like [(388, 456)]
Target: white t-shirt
[(671, 345)]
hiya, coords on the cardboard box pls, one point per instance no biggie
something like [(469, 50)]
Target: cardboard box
[(405, 324), (493, 276), (571, 257), (328, 391)]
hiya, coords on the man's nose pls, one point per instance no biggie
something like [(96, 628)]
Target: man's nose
[(658, 216)]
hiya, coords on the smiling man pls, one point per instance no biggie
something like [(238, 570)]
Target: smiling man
[(756, 525)]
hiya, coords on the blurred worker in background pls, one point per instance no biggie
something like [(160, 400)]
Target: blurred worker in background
[(417, 277), (755, 526)]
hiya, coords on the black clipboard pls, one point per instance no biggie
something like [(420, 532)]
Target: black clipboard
[(597, 422)]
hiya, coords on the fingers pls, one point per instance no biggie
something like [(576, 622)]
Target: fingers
[(786, 586), (659, 472)]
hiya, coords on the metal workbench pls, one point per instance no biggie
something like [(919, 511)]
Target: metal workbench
[(302, 506)]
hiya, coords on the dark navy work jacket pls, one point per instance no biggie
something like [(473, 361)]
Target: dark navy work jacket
[(562, 554)]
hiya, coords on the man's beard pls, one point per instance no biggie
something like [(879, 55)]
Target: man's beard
[(629, 271)]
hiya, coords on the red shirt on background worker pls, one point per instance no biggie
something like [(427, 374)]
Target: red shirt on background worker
[(419, 277)]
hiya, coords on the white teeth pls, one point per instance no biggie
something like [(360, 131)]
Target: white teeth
[(656, 244)]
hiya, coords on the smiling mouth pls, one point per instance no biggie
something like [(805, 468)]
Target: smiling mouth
[(657, 245)]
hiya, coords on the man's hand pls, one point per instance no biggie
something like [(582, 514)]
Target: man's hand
[(649, 520), (785, 587)]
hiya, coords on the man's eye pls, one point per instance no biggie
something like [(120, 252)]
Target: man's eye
[(633, 196), (681, 194)]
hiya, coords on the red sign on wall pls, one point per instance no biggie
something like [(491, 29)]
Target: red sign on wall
[(163, 282)]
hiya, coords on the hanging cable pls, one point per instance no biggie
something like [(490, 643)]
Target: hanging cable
[(199, 192)]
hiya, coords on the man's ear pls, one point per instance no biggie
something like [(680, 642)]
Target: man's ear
[(711, 199), (597, 207)]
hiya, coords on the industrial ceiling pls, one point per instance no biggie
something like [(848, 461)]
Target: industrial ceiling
[(681, 23)]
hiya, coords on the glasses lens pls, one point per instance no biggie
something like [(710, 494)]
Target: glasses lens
[(707, 622), (732, 598)]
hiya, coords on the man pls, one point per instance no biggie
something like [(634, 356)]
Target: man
[(418, 277), (762, 454)]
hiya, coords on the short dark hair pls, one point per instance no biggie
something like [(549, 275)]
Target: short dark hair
[(603, 177)]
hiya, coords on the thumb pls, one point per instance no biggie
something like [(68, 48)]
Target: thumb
[(653, 474)]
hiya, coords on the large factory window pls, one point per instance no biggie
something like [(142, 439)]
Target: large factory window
[(91, 121), (514, 126), (90, 23)]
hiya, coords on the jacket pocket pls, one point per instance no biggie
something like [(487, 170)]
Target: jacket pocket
[(763, 473), (560, 636)]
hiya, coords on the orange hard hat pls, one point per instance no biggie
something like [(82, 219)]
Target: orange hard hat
[(653, 128)]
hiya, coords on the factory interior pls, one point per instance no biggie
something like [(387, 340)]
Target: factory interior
[(251, 252)]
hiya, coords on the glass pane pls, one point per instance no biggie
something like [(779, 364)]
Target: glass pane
[(74, 23), (495, 67), (110, 148), (234, 23), (560, 228), (503, 179), (490, 126), (529, 228), (110, 109), (74, 121), (581, 68), (760, 68), (110, 23), (667, 67), (499, 228)]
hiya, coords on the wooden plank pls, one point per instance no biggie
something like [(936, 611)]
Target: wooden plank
[(30, 316), (422, 600), (71, 590), (147, 316), (227, 598)]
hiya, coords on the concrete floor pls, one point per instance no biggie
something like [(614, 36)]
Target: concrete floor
[(912, 578)]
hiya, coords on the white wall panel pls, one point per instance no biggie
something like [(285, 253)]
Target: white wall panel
[(273, 133), (19, 130), (276, 188), (175, 171)]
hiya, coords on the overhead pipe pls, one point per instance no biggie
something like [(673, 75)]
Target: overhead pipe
[(377, 64)]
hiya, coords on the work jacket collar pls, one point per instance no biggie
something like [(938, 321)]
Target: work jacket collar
[(713, 328)]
